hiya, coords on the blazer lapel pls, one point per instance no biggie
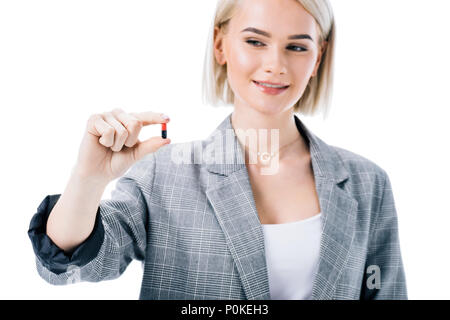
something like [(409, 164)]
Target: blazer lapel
[(233, 204), (338, 220), (338, 209), (232, 200)]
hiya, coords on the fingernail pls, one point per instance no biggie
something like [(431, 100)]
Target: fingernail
[(164, 116)]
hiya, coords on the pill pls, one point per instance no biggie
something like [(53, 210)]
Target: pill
[(164, 130)]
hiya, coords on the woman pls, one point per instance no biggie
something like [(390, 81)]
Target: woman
[(294, 218)]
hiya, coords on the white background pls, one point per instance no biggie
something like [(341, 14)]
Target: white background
[(61, 61)]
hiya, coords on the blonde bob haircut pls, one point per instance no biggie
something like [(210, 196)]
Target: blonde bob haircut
[(317, 94)]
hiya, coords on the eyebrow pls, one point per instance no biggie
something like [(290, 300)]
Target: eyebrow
[(268, 35)]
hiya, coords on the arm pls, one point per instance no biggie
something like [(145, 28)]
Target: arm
[(72, 218), (384, 255), (118, 235)]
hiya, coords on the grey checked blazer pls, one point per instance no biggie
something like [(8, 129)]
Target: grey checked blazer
[(196, 230)]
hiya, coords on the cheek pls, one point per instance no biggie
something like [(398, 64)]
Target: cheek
[(303, 68), (311, 63), (245, 61), (242, 61)]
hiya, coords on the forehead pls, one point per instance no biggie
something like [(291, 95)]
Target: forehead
[(279, 17)]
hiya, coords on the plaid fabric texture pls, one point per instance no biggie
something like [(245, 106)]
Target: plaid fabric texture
[(196, 229)]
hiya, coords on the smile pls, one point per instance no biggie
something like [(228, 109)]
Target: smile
[(270, 89)]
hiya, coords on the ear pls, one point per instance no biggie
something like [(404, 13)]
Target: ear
[(323, 48), (218, 46)]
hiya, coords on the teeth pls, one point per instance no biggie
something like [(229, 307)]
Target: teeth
[(269, 85)]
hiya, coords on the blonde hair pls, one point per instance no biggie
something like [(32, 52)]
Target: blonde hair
[(317, 94)]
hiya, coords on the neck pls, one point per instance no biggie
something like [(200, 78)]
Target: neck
[(290, 142)]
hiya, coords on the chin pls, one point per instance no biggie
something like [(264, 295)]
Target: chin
[(269, 109), (262, 105)]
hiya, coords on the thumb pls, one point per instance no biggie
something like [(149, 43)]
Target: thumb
[(149, 146)]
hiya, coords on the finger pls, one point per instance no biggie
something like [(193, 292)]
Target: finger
[(105, 131), (131, 123), (149, 117), (120, 134), (97, 127), (149, 146)]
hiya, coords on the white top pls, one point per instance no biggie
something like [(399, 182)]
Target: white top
[(292, 254)]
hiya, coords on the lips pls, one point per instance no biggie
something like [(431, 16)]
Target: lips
[(269, 90), (272, 83)]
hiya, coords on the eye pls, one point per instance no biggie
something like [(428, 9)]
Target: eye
[(255, 42), (301, 48), (252, 42)]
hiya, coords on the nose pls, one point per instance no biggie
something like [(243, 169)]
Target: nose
[(274, 61)]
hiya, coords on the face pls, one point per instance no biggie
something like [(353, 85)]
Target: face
[(269, 56)]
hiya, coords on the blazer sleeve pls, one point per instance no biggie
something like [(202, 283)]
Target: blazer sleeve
[(118, 237), (384, 278)]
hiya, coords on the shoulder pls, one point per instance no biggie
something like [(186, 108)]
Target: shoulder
[(358, 164), (165, 168), (365, 176), (177, 161), (167, 155), (175, 154)]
